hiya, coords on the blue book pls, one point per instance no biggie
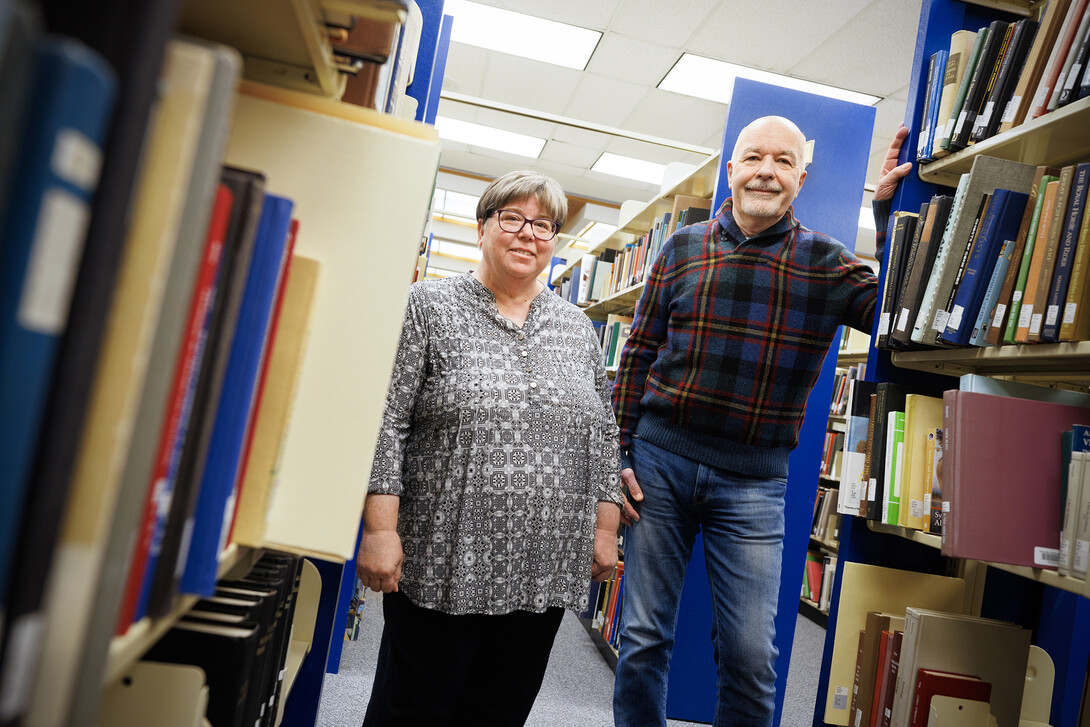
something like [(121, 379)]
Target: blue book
[(55, 173), (1065, 257), (979, 336), (215, 501), (935, 76), (1000, 223)]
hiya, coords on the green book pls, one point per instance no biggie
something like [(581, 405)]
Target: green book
[(963, 88), (895, 467), (1027, 257)]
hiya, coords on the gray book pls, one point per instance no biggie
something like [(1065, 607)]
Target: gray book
[(995, 651), (986, 175)]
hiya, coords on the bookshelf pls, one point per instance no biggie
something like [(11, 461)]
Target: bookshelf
[(1054, 606), (363, 218)]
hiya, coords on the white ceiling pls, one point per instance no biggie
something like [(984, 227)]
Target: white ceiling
[(861, 45)]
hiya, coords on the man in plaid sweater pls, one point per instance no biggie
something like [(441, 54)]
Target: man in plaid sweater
[(736, 317)]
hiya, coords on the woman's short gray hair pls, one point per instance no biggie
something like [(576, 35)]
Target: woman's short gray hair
[(514, 186)]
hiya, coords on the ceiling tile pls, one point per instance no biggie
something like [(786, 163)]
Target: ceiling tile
[(604, 100), (594, 15), (678, 117), (872, 53), (528, 84), (759, 37), (670, 24), (465, 71), (561, 153), (632, 60)]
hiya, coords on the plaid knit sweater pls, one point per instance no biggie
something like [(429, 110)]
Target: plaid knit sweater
[(729, 337)]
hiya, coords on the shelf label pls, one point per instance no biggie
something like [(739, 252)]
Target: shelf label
[(1051, 315), (941, 318), (1046, 557), (883, 324), (1000, 311), (1069, 313), (840, 698)]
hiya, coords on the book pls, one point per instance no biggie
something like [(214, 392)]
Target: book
[(87, 552), (932, 682), (881, 672), (959, 268), (983, 78), (1069, 61), (995, 651), (910, 262), (175, 517), (986, 175), (936, 75), (889, 398), (1068, 239), (55, 173), (938, 212), (285, 362), (933, 504), (1039, 285), (1080, 57), (958, 55), (894, 472), (990, 302), (1050, 76), (1078, 452), (1001, 223), (1080, 537), (20, 27), (225, 653), (853, 473), (1042, 211), (1021, 98), (233, 409), (922, 414), (991, 516), (1006, 77), (1005, 300), (904, 229), (889, 684), (867, 667), (865, 588), (1022, 390), (870, 504), (965, 81), (1076, 317)]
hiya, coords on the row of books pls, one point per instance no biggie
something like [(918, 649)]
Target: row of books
[(817, 579), (839, 404), (1004, 260), (906, 673), (957, 464), (597, 277), (614, 334), (826, 524), (832, 453), (240, 636), (1002, 75), (138, 415), (605, 607)]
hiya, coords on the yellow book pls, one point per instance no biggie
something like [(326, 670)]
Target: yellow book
[(921, 414), (286, 359), (866, 588)]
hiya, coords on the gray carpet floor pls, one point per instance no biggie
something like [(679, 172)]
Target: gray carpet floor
[(578, 685)]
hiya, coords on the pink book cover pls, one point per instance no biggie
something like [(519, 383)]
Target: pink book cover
[(1004, 462)]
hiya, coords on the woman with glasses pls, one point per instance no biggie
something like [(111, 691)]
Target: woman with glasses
[(494, 494)]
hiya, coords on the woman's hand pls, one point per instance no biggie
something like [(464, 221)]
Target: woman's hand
[(635, 494), (605, 554), (378, 564)]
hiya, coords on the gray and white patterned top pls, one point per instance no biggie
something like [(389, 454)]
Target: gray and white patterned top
[(500, 442)]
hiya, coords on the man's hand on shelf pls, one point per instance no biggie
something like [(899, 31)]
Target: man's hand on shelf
[(891, 173)]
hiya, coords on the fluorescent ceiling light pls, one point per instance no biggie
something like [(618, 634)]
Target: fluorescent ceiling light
[(456, 204), (521, 35), (629, 168), (866, 218), (713, 80), (441, 272), (598, 232), (455, 249), (489, 137)]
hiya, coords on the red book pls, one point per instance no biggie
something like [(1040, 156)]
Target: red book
[(930, 683), (264, 372), (996, 447), (881, 676), (178, 409), (889, 689)]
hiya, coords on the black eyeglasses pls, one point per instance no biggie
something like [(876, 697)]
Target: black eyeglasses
[(543, 228)]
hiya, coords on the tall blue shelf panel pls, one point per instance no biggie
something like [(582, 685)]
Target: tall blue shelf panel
[(1056, 609), (828, 202)]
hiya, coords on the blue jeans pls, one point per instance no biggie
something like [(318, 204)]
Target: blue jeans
[(743, 523)]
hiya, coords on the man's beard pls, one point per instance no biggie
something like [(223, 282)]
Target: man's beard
[(755, 206)]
